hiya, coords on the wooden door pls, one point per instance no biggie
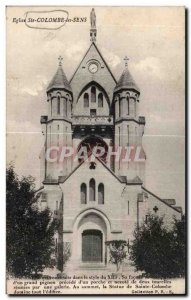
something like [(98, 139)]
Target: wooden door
[(92, 246)]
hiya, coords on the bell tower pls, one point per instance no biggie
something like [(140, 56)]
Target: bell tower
[(129, 127), (57, 125)]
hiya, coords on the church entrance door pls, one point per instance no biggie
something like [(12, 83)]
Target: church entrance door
[(92, 246)]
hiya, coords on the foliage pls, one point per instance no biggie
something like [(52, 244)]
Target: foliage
[(118, 252), (157, 251), (178, 243), (29, 231)]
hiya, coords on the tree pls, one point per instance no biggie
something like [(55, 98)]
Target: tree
[(154, 249), (117, 252), (29, 231), (179, 246)]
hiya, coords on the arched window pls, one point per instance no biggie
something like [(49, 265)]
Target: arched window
[(101, 193), (86, 100), (92, 190), (100, 100), (68, 105), (65, 107), (128, 105), (118, 102), (58, 104), (93, 94), (120, 107), (83, 193)]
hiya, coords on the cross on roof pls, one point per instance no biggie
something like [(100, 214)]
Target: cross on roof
[(155, 209), (60, 59), (126, 61)]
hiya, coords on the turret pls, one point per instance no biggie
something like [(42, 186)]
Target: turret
[(126, 96), (57, 125), (129, 127), (59, 95)]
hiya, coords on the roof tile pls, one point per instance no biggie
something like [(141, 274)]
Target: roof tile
[(59, 81), (126, 81)]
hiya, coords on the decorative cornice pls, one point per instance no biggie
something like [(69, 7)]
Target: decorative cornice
[(140, 120), (44, 120), (88, 120), (58, 88)]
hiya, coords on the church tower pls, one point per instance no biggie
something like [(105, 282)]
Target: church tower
[(92, 85), (57, 125), (129, 127)]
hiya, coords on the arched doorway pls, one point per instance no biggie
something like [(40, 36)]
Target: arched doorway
[(90, 224), (92, 244)]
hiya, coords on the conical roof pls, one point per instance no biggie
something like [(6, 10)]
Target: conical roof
[(59, 80), (126, 81)]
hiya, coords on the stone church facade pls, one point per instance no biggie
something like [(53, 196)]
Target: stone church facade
[(96, 198)]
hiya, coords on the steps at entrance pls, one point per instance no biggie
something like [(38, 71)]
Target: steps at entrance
[(92, 267), (88, 268)]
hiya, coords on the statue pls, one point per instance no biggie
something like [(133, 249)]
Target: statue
[(93, 18)]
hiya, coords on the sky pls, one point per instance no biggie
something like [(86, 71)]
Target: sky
[(152, 38)]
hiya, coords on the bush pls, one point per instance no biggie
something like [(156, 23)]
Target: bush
[(117, 252), (157, 251)]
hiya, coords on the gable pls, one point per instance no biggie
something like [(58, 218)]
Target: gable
[(83, 76), (164, 202), (101, 171)]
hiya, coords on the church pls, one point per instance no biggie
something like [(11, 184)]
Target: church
[(99, 196)]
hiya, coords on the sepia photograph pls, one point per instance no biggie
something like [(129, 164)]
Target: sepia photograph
[(95, 133)]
